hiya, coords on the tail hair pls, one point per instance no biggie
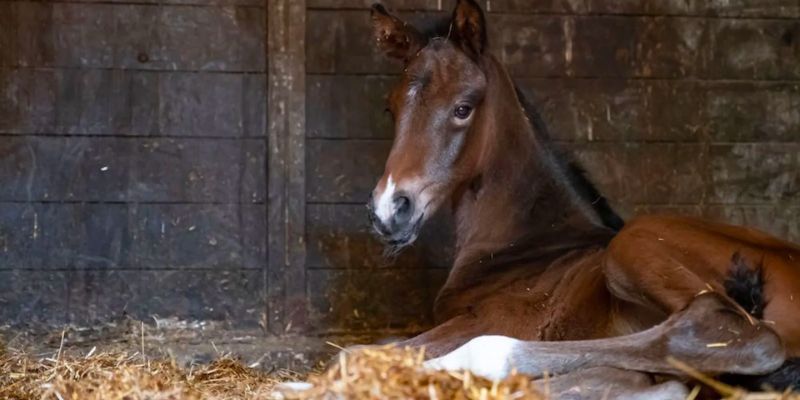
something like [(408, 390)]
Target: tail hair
[(745, 285)]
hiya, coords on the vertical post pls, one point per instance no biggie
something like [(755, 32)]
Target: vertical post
[(286, 277)]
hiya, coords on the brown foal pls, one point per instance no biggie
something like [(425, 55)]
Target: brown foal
[(545, 277)]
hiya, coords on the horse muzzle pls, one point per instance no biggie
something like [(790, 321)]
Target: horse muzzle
[(396, 223)]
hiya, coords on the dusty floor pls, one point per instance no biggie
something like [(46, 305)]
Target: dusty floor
[(185, 342)]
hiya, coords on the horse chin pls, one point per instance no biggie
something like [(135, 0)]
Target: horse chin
[(398, 242), (395, 246)]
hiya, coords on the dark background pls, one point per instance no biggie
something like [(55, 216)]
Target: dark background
[(209, 159)]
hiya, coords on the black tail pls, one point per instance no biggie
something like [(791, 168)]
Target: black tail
[(787, 377), (745, 285)]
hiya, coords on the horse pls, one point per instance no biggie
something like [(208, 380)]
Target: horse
[(546, 277)]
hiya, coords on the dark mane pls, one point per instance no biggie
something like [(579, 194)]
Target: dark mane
[(572, 169), (439, 27)]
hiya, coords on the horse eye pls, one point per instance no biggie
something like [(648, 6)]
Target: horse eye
[(463, 112)]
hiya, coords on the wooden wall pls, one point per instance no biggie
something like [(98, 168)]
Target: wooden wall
[(132, 160), (209, 159)]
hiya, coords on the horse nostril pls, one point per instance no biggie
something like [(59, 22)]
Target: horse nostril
[(402, 207)]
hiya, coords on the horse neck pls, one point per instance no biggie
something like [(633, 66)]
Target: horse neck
[(520, 196)]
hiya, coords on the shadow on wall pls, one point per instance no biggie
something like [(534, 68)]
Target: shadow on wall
[(354, 288)]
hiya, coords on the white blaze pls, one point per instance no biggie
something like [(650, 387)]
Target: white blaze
[(385, 207)]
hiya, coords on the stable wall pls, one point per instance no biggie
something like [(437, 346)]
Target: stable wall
[(209, 159)]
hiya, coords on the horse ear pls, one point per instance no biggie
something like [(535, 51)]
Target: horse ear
[(395, 38), (469, 25)]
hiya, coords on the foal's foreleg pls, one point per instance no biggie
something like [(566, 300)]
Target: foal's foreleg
[(710, 334)]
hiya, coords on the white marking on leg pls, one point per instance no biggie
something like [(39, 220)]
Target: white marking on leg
[(486, 356), (289, 390), (385, 207)]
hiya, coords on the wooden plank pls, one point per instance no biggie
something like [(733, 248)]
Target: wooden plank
[(33, 30), (423, 5), (586, 46), (780, 220), (716, 8), (254, 102), (339, 236), (755, 173), (666, 110), (689, 210), (55, 236), (230, 39), (131, 169), (83, 35), (210, 104), (343, 42), (33, 299), (116, 102), (530, 45), (86, 101), (662, 47), (744, 8), (198, 236), (286, 47), (132, 236), (196, 3), (751, 112), (737, 8), (8, 35), (140, 36), (646, 173), (235, 298), (753, 49), (348, 106), (362, 301), (592, 110), (334, 178), (197, 170), (352, 107)]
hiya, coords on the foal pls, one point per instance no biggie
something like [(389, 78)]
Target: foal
[(545, 278)]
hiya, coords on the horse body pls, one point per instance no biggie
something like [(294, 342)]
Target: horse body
[(539, 257)]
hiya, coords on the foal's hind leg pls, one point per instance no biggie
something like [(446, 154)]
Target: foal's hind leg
[(609, 383), (711, 334), (661, 263)]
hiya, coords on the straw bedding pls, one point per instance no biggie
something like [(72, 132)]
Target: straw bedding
[(394, 373), (377, 373), (110, 376)]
